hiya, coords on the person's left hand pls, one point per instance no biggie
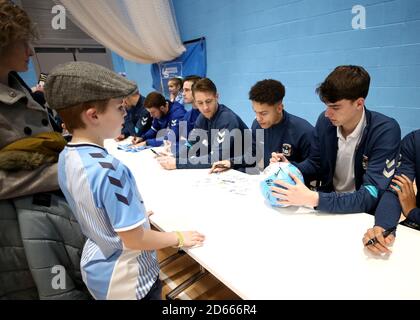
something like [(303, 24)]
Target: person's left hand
[(168, 163), (121, 137), (295, 195), (140, 144), (220, 166), (405, 193), (38, 87)]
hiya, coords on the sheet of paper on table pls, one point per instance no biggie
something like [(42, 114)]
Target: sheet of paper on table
[(232, 181)]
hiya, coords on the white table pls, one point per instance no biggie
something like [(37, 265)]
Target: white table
[(265, 253)]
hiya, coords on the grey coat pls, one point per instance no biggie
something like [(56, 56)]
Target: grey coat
[(21, 117), (40, 249), (39, 236)]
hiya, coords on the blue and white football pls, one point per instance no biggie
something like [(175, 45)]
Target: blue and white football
[(278, 171)]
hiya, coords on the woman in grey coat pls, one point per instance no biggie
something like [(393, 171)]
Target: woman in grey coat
[(40, 240)]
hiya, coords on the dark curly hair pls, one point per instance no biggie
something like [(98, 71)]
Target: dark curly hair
[(345, 82), (15, 25), (267, 91)]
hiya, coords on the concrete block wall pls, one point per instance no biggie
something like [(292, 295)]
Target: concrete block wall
[(300, 41)]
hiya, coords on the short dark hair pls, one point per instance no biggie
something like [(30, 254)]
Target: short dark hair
[(177, 80), (345, 82), (204, 85), (192, 78), (154, 100), (267, 91)]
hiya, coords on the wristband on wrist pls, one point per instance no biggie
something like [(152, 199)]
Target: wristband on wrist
[(180, 239)]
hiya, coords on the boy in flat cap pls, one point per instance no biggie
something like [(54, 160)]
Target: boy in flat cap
[(119, 259)]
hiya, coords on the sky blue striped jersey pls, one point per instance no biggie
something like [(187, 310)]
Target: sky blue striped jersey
[(103, 196)]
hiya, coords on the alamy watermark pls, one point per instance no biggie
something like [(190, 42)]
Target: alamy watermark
[(207, 146), (58, 282), (359, 20), (58, 22)]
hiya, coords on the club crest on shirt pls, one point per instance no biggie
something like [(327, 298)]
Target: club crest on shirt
[(365, 162), (286, 149)]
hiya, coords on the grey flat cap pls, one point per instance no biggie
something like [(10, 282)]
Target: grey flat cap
[(73, 83)]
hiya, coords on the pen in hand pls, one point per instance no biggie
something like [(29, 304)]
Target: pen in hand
[(385, 234), (156, 153)]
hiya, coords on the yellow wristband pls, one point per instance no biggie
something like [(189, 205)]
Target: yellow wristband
[(180, 239)]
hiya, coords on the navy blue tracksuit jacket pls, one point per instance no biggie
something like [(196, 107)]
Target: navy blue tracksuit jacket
[(191, 117), (375, 163), (137, 121), (292, 137), (214, 139), (389, 209), (168, 123)]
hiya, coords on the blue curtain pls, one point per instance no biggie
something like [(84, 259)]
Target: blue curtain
[(191, 62)]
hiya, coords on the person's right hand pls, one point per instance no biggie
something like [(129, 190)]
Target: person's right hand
[(278, 157), (192, 238), (121, 137), (168, 163), (167, 151), (382, 244)]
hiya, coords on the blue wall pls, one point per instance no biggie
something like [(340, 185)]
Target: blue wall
[(300, 41), (30, 76)]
